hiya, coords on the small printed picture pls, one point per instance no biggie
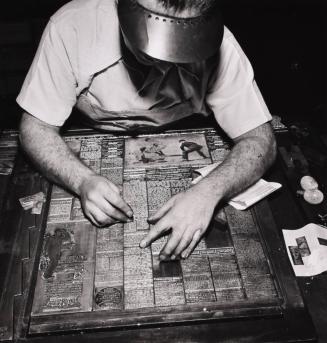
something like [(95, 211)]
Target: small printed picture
[(166, 150)]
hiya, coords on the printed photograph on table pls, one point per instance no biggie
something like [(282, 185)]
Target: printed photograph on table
[(165, 150)]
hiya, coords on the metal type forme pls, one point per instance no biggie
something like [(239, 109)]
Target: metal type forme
[(65, 278), (171, 39)]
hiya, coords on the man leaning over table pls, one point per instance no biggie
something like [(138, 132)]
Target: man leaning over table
[(135, 66)]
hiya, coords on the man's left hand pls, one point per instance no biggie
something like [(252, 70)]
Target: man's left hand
[(187, 215)]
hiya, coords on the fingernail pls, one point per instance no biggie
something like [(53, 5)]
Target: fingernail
[(130, 214), (143, 244), (161, 258), (173, 257), (184, 255)]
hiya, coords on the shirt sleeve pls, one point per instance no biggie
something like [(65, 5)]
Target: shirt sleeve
[(234, 97), (49, 90)]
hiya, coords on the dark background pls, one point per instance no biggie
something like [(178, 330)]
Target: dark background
[(284, 39)]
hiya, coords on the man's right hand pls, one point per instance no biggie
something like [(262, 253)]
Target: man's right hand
[(102, 201)]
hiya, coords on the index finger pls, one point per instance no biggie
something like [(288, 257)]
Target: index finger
[(161, 211), (156, 231)]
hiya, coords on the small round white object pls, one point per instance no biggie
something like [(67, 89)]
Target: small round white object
[(313, 196), (308, 183)]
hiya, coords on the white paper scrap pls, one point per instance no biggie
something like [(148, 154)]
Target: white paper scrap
[(31, 201), (250, 196), (253, 194), (307, 249)]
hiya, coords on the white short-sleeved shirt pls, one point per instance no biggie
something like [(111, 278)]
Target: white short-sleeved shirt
[(80, 49)]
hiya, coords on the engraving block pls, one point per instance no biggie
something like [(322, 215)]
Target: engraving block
[(250, 255), (110, 239), (158, 194), (137, 268), (169, 291), (223, 262), (195, 264), (137, 263), (66, 269), (169, 173), (241, 222), (139, 298), (115, 175), (135, 194), (226, 281), (200, 297), (198, 282), (60, 210), (260, 287), (214, 141), (91, 149), (109, 298), (217, 236), (112, 163), (112, 148), (166, 269), (230, 295), (109, 269)]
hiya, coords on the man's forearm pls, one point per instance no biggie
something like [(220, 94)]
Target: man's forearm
[(251, 156), (51, 155), (101, 200)]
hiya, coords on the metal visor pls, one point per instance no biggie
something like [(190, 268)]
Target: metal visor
[(177, 40)]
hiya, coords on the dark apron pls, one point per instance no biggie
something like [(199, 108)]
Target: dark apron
[(176, 91)]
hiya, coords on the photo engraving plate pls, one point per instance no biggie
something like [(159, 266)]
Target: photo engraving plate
[(87, 269)]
